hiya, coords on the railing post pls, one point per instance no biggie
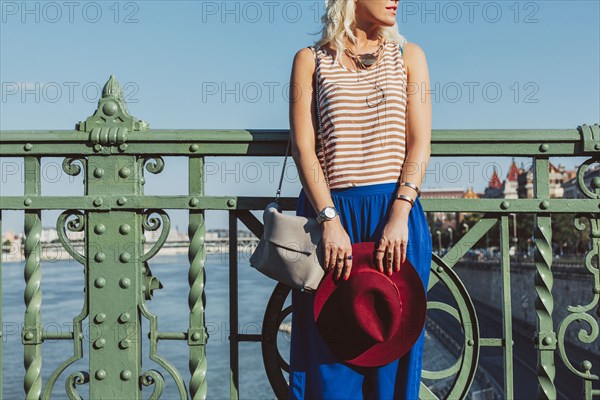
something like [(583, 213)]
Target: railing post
[(32, 331), (234, 384), (545, 337), (197, 335), (114, 247)]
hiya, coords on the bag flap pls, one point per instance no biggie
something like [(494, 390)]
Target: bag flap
[(293, 232)]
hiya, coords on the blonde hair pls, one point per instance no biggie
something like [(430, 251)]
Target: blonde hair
[(338, 22)]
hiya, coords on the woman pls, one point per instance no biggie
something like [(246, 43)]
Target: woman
[(377, 146)]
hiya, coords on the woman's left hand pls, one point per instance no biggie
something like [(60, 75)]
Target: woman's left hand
[(390, 251)]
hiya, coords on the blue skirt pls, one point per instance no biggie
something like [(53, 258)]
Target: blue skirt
[(315, 373)]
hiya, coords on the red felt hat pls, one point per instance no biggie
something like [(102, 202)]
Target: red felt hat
[(370, 319)]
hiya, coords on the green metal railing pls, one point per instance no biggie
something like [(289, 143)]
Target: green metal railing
[(114, 148)]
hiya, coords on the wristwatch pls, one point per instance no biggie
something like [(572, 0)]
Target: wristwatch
[(327, 214)]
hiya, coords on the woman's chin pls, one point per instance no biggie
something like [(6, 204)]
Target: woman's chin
[(387, 22)]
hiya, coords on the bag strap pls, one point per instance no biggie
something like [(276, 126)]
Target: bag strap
[(319, 131), (283, 170)]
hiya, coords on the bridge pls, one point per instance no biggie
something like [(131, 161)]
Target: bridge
[(113, 151)]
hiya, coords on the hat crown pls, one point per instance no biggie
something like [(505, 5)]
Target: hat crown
[(374, 304)]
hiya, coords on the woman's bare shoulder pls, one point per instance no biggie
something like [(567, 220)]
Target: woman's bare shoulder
[(413, 50), (414, 55), (304, 58)]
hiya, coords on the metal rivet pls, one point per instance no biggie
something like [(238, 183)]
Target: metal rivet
[(124, 282), (99, 343), (470, 342), (27, 202), (126, 375), (124, 172), (544, 148), (544, 205), (547, 341), (231, 202), (504, 205), (98, 201), (124, 229), (125, 343), (99, 229), (121, 201), (125, 257), (100, 374), (123, 146), (109, 108), (28, 147), (194, 148), (29, 336), (99, 257), (143, 180), (124, 317), (196, 336), (98, 172), (597, 290), (597, 146), (194, 202), (99, 282), (100, 318), (97, 147), (440, 269), (596, 183)]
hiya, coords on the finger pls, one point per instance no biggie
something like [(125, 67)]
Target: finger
[(347, 266), (379, 260), (339, 265), (389, 260), (398, 249), (379, 256), (326, 252), (329, 254), (404, 248), (332, 257)]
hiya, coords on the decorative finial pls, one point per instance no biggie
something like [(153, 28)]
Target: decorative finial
[(112, 112)]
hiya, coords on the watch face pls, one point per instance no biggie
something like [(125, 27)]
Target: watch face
[(330, 212)]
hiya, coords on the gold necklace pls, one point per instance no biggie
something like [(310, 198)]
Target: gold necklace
[(367, 60)]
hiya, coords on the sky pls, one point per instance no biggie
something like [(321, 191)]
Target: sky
[(226, 65)]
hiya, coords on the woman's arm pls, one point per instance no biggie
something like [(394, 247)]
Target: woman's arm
[(303, 125), (418, 127), (418, 149)]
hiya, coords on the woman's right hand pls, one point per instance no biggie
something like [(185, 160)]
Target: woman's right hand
[(336, 245)]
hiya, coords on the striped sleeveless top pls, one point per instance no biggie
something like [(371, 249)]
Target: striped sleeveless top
[(363, 124)]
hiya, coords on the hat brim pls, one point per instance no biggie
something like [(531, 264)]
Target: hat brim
[(413, 298)]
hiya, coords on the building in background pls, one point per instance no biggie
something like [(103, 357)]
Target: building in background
[(558, 175), (519, 182)]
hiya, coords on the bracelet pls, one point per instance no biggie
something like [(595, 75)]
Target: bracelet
[(410, 185), (405, 198)]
